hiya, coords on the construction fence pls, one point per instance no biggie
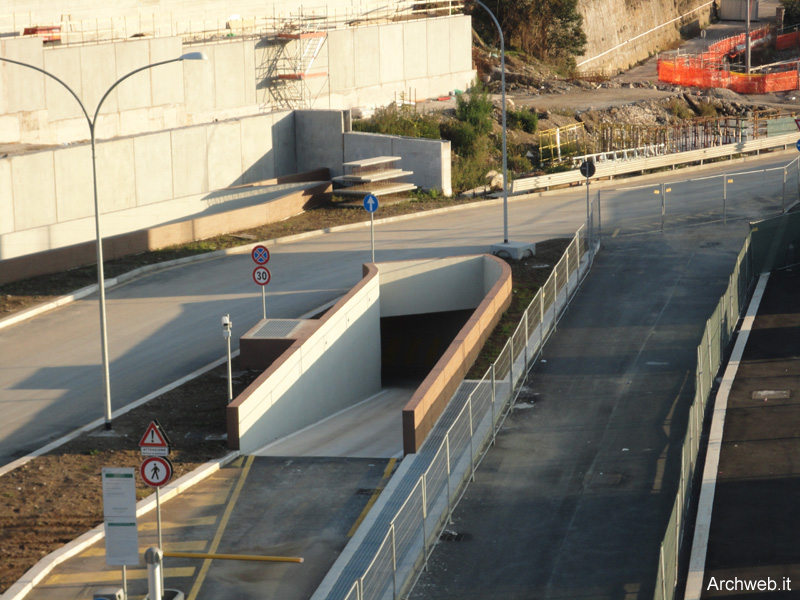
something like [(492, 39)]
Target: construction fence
[(397, 546), (710, 68)]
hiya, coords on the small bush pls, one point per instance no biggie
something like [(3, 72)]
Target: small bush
[(394, 121), (462, 136), (477, 110), (524, 119), (707, 109), (679, 109)]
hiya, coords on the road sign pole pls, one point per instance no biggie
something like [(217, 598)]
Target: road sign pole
[(264, 302), (158, 524), (372, 233)]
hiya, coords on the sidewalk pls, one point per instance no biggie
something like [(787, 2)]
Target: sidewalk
[(753, 549)]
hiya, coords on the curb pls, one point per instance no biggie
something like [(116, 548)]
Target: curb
[(492, 201), (702, 528), (34, 575)]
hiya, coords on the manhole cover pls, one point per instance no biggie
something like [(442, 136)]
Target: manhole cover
[(771, 394)]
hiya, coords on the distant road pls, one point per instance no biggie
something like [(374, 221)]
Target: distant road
[(166, 325)]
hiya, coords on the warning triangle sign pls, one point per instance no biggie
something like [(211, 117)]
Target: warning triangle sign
[(153, 437)]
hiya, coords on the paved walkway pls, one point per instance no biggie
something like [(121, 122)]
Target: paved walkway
[(307, 507), (753, 548)]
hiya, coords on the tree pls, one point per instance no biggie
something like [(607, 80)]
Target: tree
[(546, 29), (792, 15)]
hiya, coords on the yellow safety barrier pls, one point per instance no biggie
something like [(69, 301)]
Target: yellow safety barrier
[(293, 559)]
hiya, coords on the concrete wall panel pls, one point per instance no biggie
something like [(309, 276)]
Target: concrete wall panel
[(116, 178), (229, 75), (166, 82), (73, 179), (358, 146), (283, 143), (391, 54), (438, 40), (249, 70), (152, 158), (428, 159), (258, 157), (415, 50), (366, 54), (98, 73), (460, 43), (189, 162), (24, 88), (341, 59), (6, 199), (318, 135), (33, 186), (64, 63), (134, 92), (224, 154), (198, 81)]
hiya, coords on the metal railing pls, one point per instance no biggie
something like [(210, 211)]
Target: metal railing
[(404, 539), (110, 29), (615, 168), (710, 354)]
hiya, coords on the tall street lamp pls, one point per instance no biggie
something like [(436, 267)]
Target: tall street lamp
[(100, 277), (510, 249)]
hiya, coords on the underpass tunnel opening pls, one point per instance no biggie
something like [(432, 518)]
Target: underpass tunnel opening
[(411, 345)]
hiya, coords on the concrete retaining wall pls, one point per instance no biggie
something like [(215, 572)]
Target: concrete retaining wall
[(265, 205), (429, 159), (431, 398), (620, 24), (47, 199), (327, 369)]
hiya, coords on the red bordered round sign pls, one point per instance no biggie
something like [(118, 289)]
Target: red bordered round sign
[(261, 275), (156, 471), (260, 255)]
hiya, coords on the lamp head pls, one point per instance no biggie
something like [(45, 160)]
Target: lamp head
[(193, 56)]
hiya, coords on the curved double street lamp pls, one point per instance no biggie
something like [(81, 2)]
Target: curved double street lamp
[(92, 121)]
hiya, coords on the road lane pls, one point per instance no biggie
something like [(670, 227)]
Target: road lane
[(166, 324)]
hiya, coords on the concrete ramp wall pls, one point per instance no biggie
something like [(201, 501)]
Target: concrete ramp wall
[(431, 398), (327, 369)]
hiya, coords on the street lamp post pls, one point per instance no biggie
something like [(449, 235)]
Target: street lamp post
[(508, 249), (100, 277), (503, 112)]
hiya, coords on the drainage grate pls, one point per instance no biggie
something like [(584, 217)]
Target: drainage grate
[(277, 328), (454, 536), (368, 491)]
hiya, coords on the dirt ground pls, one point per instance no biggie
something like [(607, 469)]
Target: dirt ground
[(54, 498)]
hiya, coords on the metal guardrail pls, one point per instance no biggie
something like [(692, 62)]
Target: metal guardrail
[(392, 554), (710, 354), (614, 168)]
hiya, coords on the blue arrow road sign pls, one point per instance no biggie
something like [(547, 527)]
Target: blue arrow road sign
[(797, 144), (370, 203)]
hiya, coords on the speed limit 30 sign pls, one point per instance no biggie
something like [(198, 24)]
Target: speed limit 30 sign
[(261, 275)]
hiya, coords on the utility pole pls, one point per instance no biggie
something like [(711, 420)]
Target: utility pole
[(747, 40)]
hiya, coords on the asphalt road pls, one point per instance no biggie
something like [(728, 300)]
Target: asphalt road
[(166, 325), (574, 499)]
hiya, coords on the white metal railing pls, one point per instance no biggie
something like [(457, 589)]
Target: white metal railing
[(615, 168), (402, 543), (710, 353)]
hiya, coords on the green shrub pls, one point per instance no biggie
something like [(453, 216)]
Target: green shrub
[(394, 121), (463, 137), (477, 110), (524, 119)]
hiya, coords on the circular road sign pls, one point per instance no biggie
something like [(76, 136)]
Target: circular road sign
[(156, 471), (798, 141), (260, 255), (588, 168), (370, 203), (261, 275)]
